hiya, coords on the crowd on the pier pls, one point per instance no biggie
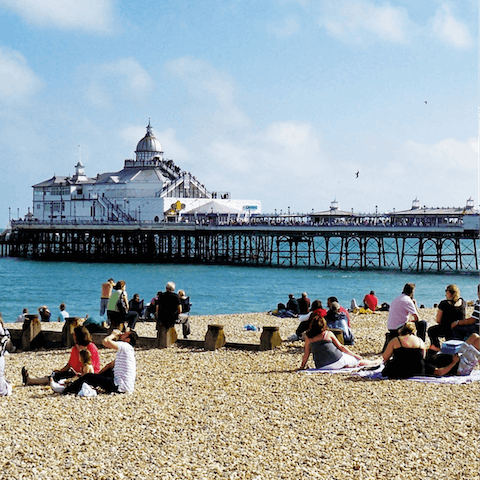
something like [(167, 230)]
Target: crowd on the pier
[(326, 332)]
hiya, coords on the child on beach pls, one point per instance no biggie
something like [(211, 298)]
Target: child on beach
[(87, 367), (86, 359)]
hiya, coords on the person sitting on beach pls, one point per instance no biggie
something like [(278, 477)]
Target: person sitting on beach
[(305, 321), (107, 288), (136, 305), (405, 354), (326, 349), (169, 309), (22, 316), (44, 313), (116, 377), (330, 300), (337, 319), (63, 314), (282, 312), (83, 341), (87, 367), (152, 306), (450, 311), (463, 328), (184, 317), (292, 304), (303, 304), (440, 364), (370, 301), (401, 309)]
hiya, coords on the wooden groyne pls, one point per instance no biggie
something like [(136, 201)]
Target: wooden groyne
[(34, 335)]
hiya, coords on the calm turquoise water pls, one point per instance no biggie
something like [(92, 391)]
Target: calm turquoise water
[(212, 289)]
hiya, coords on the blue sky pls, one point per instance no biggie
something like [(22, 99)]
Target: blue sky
[(276, 100)]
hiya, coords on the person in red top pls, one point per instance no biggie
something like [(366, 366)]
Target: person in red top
[(83, 341), (370, 301)]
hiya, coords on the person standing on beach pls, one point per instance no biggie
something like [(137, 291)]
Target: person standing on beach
[(401, 309), (105, 295)]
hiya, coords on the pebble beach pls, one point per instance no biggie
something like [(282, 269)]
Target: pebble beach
[(233, 414)]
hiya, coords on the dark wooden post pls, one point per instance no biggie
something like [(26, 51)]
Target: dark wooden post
[(270, 338), (31, 329), (165, 336), (67, 331), (214, 338)]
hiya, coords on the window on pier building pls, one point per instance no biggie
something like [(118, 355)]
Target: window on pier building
[(57, 191), (54, 207)]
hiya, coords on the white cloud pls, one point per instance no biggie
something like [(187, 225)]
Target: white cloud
[(449, 29), (17, 79), (448, 154), (125, 77), (90, 15), (209, 85), (362, 20)]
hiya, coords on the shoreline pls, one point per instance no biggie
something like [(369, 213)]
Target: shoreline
[(237, 414)]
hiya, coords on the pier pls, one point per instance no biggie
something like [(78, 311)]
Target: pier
[(423, 246)]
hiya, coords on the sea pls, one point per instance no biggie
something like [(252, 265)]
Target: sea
[(213, 289)]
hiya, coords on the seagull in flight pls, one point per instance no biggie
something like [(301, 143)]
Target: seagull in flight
[(425, 102), (357, 174)]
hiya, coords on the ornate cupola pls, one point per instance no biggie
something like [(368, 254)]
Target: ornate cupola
[(149, 147)]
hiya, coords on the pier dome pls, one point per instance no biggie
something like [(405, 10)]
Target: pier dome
[(149, 146)]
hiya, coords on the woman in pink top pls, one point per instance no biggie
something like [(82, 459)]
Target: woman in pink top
[(83, 341)]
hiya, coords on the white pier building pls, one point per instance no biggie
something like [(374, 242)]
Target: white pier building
[(150, 188)]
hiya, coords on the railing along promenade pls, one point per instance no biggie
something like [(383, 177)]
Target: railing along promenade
[(330, 245)]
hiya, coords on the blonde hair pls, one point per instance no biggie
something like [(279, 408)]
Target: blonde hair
[(455, 291), (408, 329)]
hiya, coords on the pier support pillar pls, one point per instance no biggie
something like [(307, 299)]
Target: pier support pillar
[(165, 336), (270, 338), (214, 338), (32, 328)]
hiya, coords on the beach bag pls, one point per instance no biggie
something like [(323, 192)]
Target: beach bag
[(469, 358), (122, 306)]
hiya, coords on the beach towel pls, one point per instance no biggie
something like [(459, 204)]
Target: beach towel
[(449, 380), (331, 370)]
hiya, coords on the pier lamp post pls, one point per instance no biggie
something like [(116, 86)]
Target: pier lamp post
[(9, 214)]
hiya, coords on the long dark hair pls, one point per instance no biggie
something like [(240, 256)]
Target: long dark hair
[(82, 336)]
